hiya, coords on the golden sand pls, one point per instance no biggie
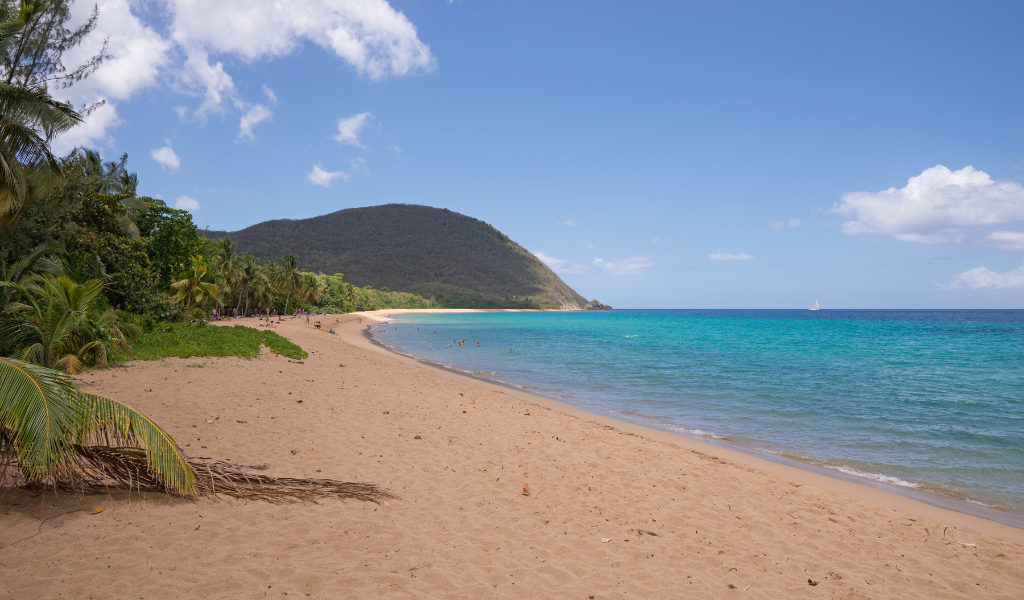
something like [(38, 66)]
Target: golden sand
[(613, 511)]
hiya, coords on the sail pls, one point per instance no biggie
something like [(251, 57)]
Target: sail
[(815, 305)]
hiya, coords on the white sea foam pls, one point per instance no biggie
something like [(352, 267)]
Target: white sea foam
[(873, 476), (698, 432)]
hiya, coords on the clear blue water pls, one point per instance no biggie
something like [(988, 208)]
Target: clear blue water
[(929, 400)]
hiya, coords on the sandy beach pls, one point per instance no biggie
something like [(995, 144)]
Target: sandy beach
[(614, 510)]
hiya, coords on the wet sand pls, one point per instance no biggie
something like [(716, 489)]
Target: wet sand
[(614, 510)]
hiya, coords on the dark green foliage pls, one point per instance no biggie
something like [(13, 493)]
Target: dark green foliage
[(173, 238), (184, 340), (406, 247), (129, 284)]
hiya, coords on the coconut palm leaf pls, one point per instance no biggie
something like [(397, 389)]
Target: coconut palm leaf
[(36, 419), (104, 421)]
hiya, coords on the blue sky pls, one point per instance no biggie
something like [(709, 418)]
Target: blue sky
[(655, 154)]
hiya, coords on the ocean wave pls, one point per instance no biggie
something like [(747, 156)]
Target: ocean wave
[(873, 476), (697, 432)]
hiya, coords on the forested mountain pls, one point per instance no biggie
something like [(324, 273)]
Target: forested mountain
[(429, 251)]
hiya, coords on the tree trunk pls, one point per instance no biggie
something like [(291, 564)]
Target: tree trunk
[(287, 297)]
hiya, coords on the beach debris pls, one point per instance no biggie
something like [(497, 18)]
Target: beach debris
[(313, 458), (526, 489), (835, 575), (604, 541), (645, 532), (299, 401), (243, 422), (209, 421), (387, 412), (812, 582), (416, 437), (98, 510), (472, 401), (104, 468), (732, 587)]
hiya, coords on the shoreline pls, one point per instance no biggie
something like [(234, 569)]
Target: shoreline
[(499, 494), (925, 501)]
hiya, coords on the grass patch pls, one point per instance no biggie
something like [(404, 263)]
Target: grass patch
[(184, 341)]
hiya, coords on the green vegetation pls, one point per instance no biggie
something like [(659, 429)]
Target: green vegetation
[(184, 340), (53, 311), (454, 260), (86, 265)]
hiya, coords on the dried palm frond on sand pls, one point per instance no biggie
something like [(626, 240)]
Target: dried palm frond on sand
[(101, 469)]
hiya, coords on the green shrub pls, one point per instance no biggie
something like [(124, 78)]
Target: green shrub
[(187, 340)]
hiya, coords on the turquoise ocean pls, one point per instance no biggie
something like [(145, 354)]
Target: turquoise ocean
[(925, 403)]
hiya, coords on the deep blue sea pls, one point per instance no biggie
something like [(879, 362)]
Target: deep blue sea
[(916, 399)]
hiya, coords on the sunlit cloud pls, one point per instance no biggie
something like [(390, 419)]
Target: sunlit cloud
[(186, 203), (631, 265), (166, 156), (980, 278), (560, 265), (934, 208)]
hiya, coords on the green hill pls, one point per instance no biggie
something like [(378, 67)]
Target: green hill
[(429, 251)]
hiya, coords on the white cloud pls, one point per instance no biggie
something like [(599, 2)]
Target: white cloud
[(270, 94), (94, 130), (1006, 240), (781, 225), (934, 206), (215, 83), (562, 266), (359, 166), (725, 256), (568, 223), (253, 117), (321, 177), (186, 203), (166, 156), (631, 265), (137, 54), (982, 278), (349, 128), (370, 35)]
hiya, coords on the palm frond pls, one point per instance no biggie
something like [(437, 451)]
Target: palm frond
[(105, 420), (39, 420)]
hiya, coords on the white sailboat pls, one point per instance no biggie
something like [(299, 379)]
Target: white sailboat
[(815, 305)]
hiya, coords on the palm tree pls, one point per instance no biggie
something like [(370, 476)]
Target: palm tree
[(289, 279), (29, 120), (191, 287), (312, 288), (260, 287), (229, 272), (59, 324)]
